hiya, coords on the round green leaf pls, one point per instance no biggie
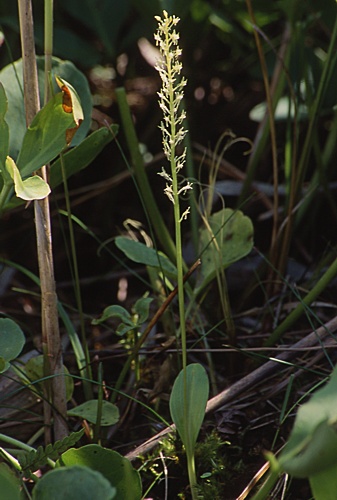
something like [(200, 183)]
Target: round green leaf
[(114, 467), (12, 339), (73, 483), (10, 485), (229, 239), (88, 411), (34, 371)]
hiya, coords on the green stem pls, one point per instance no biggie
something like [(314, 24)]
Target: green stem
[(328, 67), (22, 446), (180, 271), (77, 289), (97, 426)]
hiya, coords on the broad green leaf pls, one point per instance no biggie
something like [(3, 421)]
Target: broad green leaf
[(45, 137), (34, 371), (10, 485), (11, 78), (82, 155), (114, 467), (75, 159), (114, 311), (229, 239), (138, 252), (33, 188), (312, 445), (197, 389), (73, 483), (324, 485), (88, 411), (12, 341), (313, 455)]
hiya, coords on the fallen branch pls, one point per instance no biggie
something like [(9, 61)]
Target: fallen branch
[(252, 379)]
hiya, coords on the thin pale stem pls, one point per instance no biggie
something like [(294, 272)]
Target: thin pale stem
[(77, 289), (50, 329)]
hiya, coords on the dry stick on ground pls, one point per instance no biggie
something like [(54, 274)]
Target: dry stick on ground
[(264, 469), (50, 326), (252, 379)]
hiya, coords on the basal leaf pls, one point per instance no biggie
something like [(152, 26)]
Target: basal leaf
[(114, 467), (197, 391), (76, 483)]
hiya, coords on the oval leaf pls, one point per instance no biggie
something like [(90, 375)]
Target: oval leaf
[(12, 340), (138, 252), (228, 239), (10, 485), (73, 483), (197, 391), (88, 411), (117, 469)]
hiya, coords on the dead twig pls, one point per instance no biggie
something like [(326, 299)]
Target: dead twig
[(249, 381)]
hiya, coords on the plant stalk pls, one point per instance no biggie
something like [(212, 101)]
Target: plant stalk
[(51, 340)]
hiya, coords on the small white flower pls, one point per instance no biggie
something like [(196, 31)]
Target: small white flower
[(171, 96)]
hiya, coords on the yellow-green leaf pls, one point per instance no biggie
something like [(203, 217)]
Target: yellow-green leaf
[(33, 188)]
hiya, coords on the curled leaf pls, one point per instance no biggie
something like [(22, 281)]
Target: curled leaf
[(71, 104), (33, 188)]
